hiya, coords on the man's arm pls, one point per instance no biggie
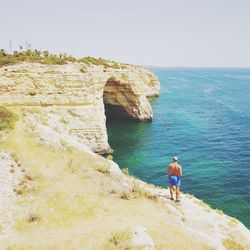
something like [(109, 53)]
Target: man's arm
[(180, 171), (169, 170)]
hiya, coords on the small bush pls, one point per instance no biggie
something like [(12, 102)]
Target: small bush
[(82, 70), (29, 177), (32, 92), (125, 171), (220, 212), (102, 168), (232, 245), (25, 186), (100, 61), (109, 157), (32, 218), (136, 192), (119, 241), (126, 195), (6, 60), (71, 59), (65, 122), (7, 119)]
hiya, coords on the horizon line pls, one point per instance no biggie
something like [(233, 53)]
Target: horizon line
[(201, 67)]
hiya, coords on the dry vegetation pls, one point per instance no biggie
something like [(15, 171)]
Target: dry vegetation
[(119, 241), (68, 200), (230, 244), (7, 119), (45, 57)]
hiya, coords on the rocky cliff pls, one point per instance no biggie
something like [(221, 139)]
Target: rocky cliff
[(56, 193), (72, 97)]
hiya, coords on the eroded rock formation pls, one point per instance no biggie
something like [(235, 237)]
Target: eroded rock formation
[(71, 99), (122, 102)]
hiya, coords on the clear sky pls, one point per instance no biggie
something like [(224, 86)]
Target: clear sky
[(203, 33)]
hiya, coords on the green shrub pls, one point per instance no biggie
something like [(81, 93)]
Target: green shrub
[(7, 119)]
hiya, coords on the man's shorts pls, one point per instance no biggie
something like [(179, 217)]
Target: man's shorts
[(175, 180)]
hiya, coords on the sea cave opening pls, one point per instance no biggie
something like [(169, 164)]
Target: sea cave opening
[(116, 99)]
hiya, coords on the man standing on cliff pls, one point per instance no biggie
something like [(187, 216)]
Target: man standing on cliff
[(174, 176)]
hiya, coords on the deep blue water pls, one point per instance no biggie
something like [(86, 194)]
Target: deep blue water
[(203, 117)]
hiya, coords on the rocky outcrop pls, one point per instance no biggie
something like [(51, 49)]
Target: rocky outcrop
[(72, 97)]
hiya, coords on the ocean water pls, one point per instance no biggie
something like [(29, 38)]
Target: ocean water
[(203, 117)]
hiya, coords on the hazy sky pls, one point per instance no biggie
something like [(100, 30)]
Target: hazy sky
[(210, 33)]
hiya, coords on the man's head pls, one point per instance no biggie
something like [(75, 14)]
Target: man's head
[(175, 158)]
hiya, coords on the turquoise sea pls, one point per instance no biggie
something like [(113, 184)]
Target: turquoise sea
[(203, 117)]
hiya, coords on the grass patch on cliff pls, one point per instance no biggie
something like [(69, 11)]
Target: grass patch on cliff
[(7, 119), (119, 241), (30, 56), (45, 57), (101, 61), (7, 60), (230, 244), (136, 192)]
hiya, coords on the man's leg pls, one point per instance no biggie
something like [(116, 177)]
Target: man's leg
[(171, 192), (177, 192)]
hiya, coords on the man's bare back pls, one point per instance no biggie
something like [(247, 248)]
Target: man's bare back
[(174, 169)]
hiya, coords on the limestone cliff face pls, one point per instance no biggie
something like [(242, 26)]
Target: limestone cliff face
[(72, 98), (66, 107)]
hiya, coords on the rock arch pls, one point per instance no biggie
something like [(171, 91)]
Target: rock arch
[(121, 102)]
